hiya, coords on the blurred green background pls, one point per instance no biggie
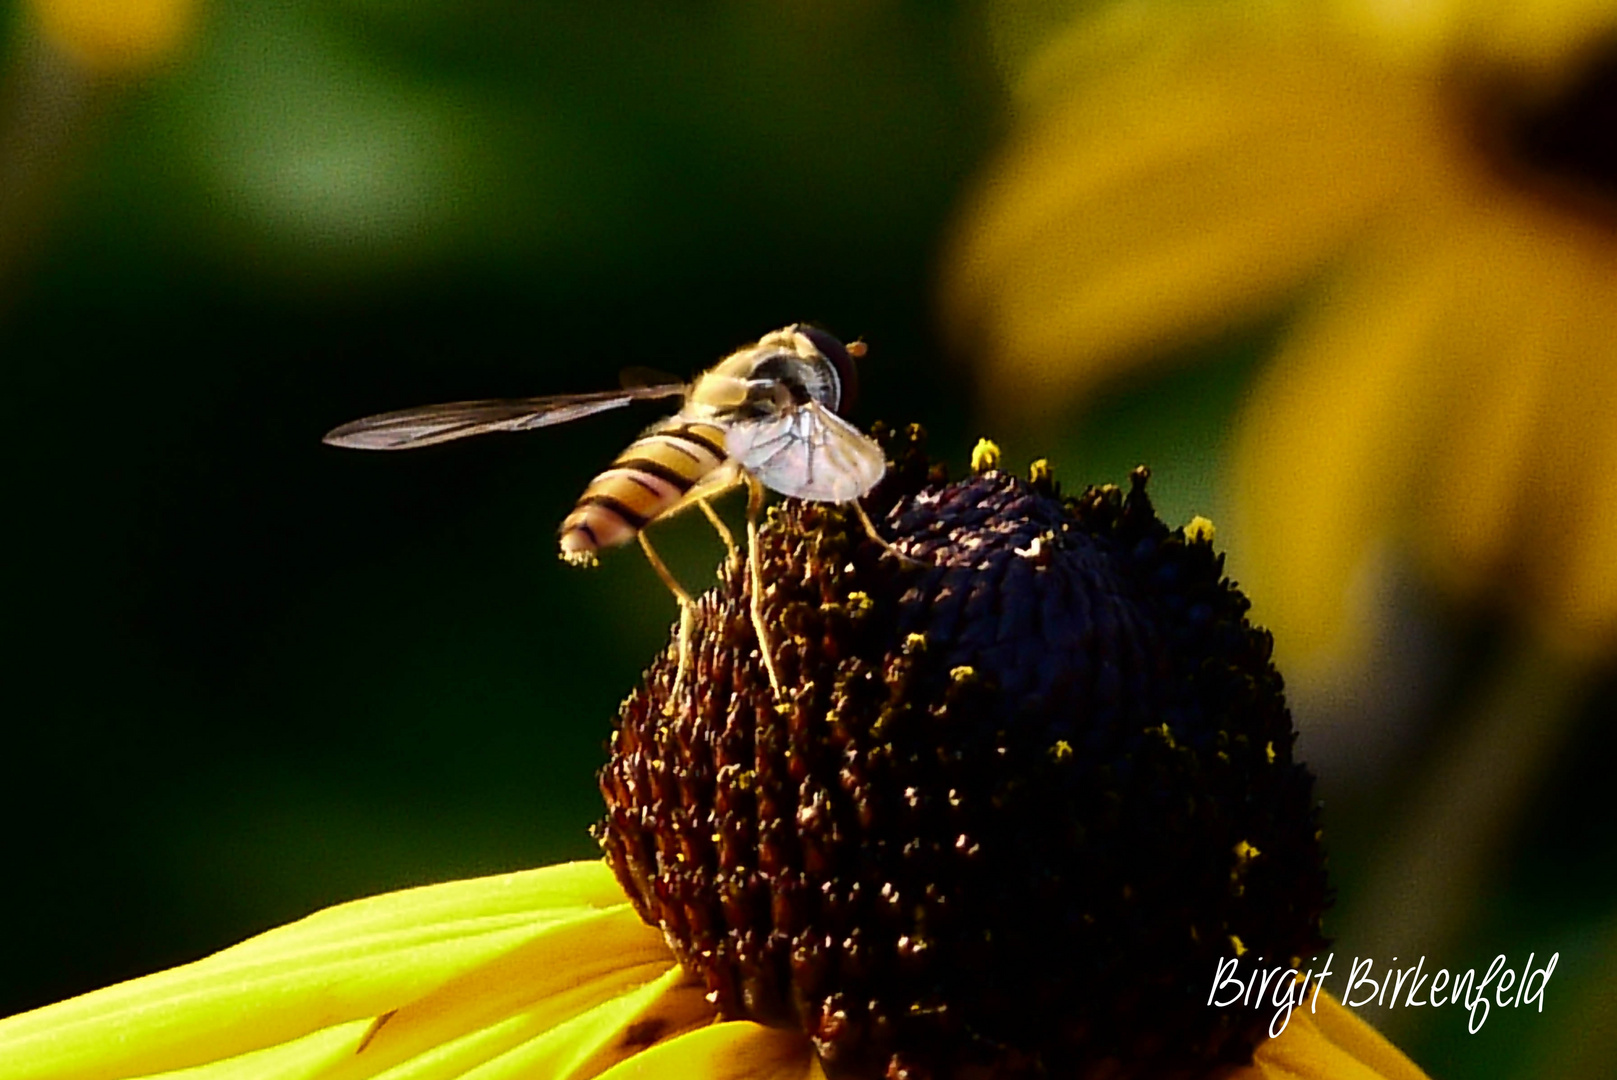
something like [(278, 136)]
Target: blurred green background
[(248, 675)]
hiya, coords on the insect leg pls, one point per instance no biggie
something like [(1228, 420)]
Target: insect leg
[(716, 483), (723, 530), (687, 609), (662, 571), (870, 530), (755, 505)]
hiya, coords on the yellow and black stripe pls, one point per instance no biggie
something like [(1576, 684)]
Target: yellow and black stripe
[(643, 483)]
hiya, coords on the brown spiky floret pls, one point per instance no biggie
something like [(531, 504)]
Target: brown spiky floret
[(1019, 801)]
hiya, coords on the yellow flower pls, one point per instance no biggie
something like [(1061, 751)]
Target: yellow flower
[(111, 37), (1442, 173), (892, 872), (543, 974)]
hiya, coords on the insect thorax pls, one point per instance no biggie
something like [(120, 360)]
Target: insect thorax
[(784, 370)]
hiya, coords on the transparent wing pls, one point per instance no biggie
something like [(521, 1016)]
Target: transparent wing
[(808, 452), (410, 428), (637, 377)]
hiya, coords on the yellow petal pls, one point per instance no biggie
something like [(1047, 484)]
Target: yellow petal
[(1550, 38), (1326, 447), (732, 1051), (1569, 555), (352, 962), (1522, 469), (534, 1044), (588, 997), (522, 994), (1163, 200), (1469, 511), (1330, 1044), (524, 1046), (553, 892), (1496, 348), (301, 1059), (116, 36)]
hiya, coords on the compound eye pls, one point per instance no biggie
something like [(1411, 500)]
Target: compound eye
[(834, 351)]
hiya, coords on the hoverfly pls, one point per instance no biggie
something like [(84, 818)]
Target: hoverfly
[(766, 416)]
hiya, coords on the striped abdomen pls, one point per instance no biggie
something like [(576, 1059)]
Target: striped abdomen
[(646, 480)]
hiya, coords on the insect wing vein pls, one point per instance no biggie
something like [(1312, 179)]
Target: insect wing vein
[(408, 429), (809, 453)]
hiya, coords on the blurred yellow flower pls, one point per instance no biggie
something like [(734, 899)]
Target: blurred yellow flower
[(543, 975), (112, 37), (1443, 174)]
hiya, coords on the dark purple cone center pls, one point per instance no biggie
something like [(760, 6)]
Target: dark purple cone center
[(997, 827)]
